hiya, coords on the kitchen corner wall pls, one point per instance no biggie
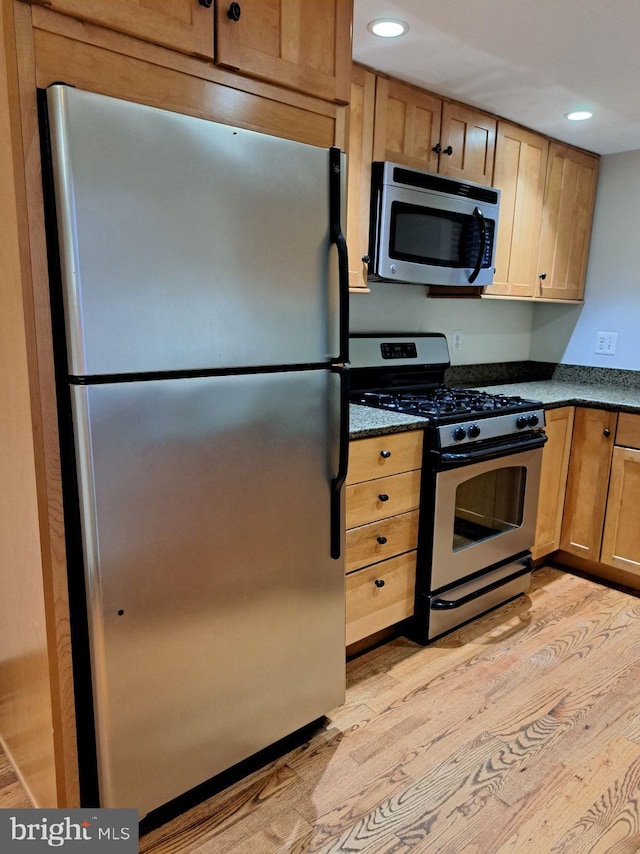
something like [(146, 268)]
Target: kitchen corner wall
[(491, 330), (567, 334)]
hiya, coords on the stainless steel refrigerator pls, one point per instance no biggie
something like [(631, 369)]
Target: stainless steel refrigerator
[(203, 285)]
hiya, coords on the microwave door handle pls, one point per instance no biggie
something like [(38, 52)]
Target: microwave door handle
[(483, 238)]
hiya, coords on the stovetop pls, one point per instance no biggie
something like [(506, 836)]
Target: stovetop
[(444, 405), (404, 373), (459, 417)]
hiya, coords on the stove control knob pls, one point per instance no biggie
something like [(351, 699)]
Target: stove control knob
[(474, 431), (532, 420), (521, 422), (459, 434)]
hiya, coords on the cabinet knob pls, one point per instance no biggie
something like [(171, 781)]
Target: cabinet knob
[(206, 3), (366, 258), (606, 433), (234, 11), (448, 151), (542, 276), (381, 540), (383, 496), (385, 454), (379, 582)]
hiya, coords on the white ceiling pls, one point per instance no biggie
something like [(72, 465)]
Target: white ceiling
[(530, 61)]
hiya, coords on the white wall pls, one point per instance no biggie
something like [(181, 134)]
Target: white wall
[(567, 334), (492, 330)]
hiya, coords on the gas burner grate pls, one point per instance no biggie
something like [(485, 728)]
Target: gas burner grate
[(442, 402)]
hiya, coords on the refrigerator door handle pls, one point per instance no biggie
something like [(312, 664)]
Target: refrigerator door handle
[(337, 237), (337, 482)]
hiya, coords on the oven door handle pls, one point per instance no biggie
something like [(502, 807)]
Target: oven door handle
[(462, 457), (483, 239), (440, 604)]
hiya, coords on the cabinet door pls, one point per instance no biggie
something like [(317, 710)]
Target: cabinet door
[(591, 451), (182, 25), (380, 596), (359, 157), (553, 480), (300, 44), (520, 171), (621, 539), (407, 125), (566, 222), (472, 138)]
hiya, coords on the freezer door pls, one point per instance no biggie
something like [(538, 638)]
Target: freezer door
[(216, 614), (186, 244)]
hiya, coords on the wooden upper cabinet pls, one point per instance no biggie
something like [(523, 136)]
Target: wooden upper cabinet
[(588, 482), (520, 173), (299, 44), (407, 125), (566, 223), (470, 136), (359, 157), (182, 25), (420, 130)]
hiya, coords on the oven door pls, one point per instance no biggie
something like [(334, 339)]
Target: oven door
[(484, 513)]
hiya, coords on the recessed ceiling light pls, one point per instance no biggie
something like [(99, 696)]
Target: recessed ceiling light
[(578, 115), (387, 28)]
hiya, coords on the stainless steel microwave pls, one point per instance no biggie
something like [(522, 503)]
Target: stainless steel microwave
[(428, 229)]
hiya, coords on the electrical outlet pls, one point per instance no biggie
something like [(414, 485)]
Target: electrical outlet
[(456, 341), (606, 343)]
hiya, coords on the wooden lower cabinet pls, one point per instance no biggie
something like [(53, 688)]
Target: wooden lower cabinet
[(621, 537), (553, 480), (382, 498), (380, 595), (600, 525), (588, 482)]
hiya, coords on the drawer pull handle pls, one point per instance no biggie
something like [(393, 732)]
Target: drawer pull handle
[(381, 540), (383, 496), (385, 454), (379, 582)]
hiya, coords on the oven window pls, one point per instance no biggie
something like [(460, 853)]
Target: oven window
[(489, 504)]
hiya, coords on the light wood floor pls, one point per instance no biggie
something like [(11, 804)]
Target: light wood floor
[(518, 733)]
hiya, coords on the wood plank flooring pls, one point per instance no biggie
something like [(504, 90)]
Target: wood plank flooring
[(518, 733)]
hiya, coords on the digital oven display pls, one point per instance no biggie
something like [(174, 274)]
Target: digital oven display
[(399, 350)]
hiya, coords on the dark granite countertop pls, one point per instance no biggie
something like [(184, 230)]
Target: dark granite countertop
[(366, 421), (553, 393)]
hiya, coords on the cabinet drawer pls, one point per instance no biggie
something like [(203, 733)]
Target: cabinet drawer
[(372, 607), (628, 432), (380, 540), (384, 455), (377, 499)]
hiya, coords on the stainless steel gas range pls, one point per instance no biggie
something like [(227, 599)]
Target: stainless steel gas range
[(480, 478)]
